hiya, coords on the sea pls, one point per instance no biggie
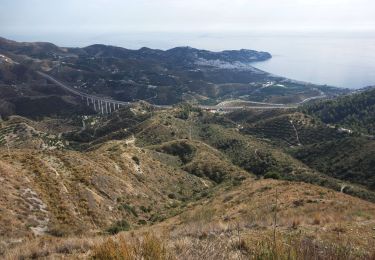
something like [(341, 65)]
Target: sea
[(342, 59)]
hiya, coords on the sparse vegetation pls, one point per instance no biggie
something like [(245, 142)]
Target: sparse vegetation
[(149, 248), (272, 175), (211, 185), (136, 160), (355, 112), (119, 226)]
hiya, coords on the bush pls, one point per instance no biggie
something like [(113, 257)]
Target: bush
[(171, 196), (183, 111), (113, 250), (142, 222), (136, 160), (183, 150), (129, 209), (119, 226), (144, 209), (272, 175)]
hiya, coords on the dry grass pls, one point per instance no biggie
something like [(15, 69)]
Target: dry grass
[(246, 244), (232, 243), (88, 191), (148, 247), (92, 185), (338, 226), (299, 247), (238, 224), (50, 247)]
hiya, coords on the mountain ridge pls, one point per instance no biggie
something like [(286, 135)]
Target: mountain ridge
[(160, 77), (179, 181)]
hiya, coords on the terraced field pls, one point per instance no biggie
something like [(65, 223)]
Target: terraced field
[(293, 129)]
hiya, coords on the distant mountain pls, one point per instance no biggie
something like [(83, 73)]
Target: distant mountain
[(156, 76), (179, 55), (32, 49), (248, 184)]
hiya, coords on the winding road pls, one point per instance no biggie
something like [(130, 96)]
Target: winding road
[(105, 105)]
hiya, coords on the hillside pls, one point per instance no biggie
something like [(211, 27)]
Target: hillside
[(147, 170), (350, 159), (238, 222), (324, 148), (63, 192), (159, 178), (292, 129), (356, 112), (156, 76)]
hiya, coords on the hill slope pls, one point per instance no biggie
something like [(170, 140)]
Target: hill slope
[(156, 76), (239, 222), (251, 184), (350, 159), (180, 170), (356, 112)]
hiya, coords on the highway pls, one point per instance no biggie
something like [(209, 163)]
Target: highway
[(104, 105), (79, 93)]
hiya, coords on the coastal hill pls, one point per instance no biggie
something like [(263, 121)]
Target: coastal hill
[(290, 181), (156, 76), (70, 185)]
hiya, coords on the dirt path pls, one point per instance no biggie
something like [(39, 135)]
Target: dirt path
[(295, 130)]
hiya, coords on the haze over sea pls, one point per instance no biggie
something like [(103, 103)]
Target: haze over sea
[(343, 59)]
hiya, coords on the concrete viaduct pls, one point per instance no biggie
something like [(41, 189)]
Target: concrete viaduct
[(100, 104), (106, 105)]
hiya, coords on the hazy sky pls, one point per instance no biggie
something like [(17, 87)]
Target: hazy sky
[(102, 16), (299, 31)]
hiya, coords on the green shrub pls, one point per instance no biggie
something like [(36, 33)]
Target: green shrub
[(136, 160), (183, 150), (130, 209), (272, 175), (144, 209), (119, 226), (171, 196), (142, 222)]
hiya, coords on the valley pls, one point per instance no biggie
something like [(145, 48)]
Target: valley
[(159, 77), (110, 153)]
